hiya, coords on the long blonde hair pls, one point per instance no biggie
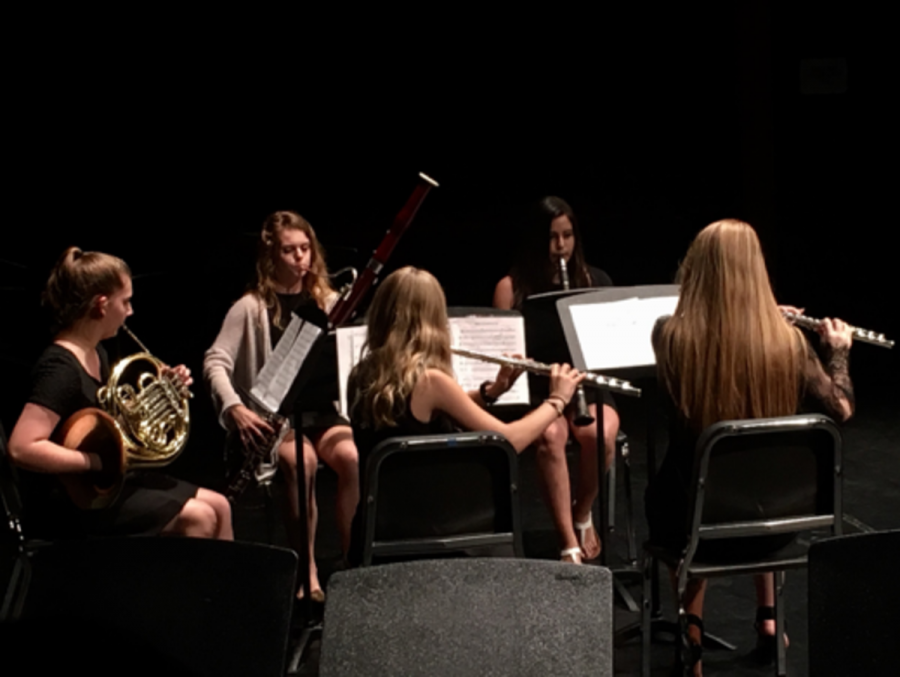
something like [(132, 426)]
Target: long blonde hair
[(316, 279), (407, 333), (728, 353)]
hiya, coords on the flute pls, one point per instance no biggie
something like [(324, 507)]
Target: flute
[(863, 335), (616, 384)]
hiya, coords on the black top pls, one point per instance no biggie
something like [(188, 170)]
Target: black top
[(147, 502), (668, 495), (59, 382)]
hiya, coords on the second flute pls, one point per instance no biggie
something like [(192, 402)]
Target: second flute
[(614, 384)]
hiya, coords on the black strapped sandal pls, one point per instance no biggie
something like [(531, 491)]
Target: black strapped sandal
[(766, 649), (689, 654)]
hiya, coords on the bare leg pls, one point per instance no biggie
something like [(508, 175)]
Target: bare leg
[(196, 519), (336, 448), (693, 598), (287, 462), (554, 475), (765, 596), (222, 508), (587, 489)]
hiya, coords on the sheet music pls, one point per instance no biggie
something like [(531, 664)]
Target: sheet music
[(617, 334), (492, 335), (278, 373), (350, 342)]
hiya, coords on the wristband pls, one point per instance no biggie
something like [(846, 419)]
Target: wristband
[(487, 399), (556, 403)]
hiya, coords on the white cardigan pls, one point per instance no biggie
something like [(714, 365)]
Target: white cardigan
[(238, 353)]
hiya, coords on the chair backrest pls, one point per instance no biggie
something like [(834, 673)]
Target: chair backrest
[(468, 616), (155, 606), (853, 601), (762, 477), (437, 493)]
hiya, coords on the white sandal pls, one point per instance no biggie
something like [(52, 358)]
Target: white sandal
[(581, 529), (574, 553)]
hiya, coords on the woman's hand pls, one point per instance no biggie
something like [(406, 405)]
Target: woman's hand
[(180, 377), (506, 377), (835, 333), (794, 310), (249, 425), (563, 381)]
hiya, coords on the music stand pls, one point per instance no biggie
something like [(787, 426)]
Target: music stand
[(297, 399), (581, 318)]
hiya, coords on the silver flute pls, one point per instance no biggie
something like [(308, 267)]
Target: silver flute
[(863, 335), (614, 384)]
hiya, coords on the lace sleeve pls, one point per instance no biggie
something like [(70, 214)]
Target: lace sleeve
[(830, 384)]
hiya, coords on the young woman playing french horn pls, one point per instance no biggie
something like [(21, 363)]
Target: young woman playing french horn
[(89, 294), (290, 273), (404, 385), (728, 353), (536, 270)]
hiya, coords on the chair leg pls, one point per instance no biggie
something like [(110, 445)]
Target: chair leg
[(780, 661), (629, 504), (611, 498), (646, 613)]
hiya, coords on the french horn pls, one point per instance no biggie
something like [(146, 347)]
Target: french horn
[(143, 422)]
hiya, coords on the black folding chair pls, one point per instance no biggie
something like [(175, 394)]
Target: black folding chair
[(434, 494), (757, 484)]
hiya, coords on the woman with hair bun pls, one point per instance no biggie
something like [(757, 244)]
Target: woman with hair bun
[(550, 234), (290, 275), (89, 294), (404, 385), (728, 353)]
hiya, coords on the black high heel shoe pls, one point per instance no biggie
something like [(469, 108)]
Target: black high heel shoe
[(689, 654), (766, 649)]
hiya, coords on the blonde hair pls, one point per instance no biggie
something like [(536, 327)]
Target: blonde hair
[(316, 279), (407, 333), (728, 353), (77, 279)]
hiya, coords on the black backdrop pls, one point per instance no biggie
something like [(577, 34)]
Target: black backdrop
[(166, 139)]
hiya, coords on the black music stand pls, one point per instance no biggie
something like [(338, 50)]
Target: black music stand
[(643, 372), (549, 341), (297, 400)]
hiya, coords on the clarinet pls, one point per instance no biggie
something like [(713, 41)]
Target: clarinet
[(582, 413)]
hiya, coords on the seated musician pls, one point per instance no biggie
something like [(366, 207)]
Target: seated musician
[(727, 353), (404, 384), (534, 271), (89, 294), (290, 274)]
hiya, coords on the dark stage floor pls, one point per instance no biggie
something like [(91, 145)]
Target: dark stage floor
[(872, 501)]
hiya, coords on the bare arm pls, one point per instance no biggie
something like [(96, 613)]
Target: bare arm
[(436, 391), (503, 294), (30, 446)]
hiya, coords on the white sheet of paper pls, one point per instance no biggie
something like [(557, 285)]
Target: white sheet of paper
[(350, 342), (617, 334), (278, 373), (492, 335)]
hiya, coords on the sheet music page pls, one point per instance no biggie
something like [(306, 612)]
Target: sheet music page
[(278, 373), (617, 334), (350, 341), (491, 335)]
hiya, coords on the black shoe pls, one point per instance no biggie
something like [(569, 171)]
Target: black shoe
[(766, 650), (689, 654)]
